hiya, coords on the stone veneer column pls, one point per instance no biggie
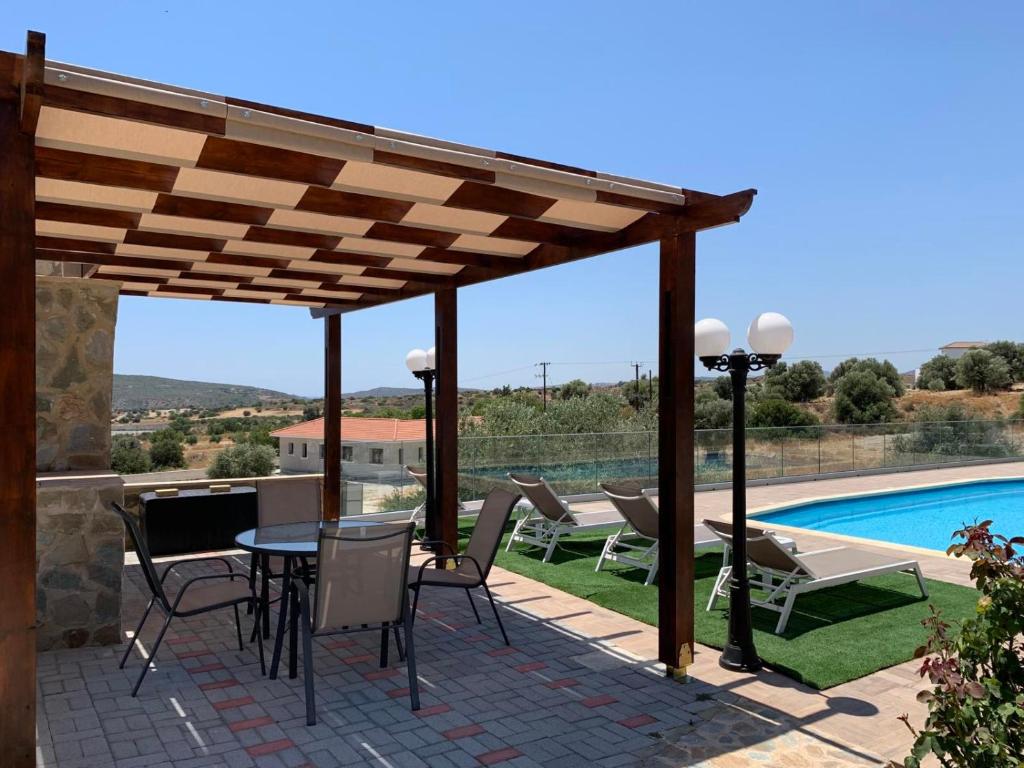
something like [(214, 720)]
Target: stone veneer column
[(80, 542)]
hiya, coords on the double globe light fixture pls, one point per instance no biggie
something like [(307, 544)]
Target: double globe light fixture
[(770, 335)]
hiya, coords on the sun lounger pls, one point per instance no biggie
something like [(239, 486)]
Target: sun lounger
[(419, 515), (550, 517), (785, 575), (636, 543)]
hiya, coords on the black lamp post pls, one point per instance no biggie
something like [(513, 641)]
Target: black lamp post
[(421, 363), (772, 333)]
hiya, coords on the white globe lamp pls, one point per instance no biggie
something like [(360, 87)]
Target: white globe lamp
[(770, 334), (710, 338), (416, 360)]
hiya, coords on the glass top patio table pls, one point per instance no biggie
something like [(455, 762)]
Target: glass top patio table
[(292, 539)]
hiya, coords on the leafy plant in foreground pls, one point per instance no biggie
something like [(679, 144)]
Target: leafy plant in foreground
[(976, 668)]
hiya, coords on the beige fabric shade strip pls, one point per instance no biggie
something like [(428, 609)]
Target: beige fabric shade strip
[(179, 193)]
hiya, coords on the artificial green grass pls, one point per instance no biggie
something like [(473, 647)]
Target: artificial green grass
[(833, 636)]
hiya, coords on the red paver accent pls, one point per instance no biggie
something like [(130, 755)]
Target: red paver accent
[(638, 721), (193, 654), (533, 666), (212, 667), (382, 674), (463, 732), (398, 693), (255, 722), (474, 638), (343, 643), (498, 756), (183, 640), (437, 709), (359, 659), (241, 701), (599, 701), (502, 651), (218, 684), (566, 682), (269, 747)]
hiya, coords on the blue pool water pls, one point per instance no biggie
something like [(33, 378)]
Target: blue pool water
[(922, 518)]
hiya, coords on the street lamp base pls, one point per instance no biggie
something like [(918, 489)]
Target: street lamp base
[(738, 659)]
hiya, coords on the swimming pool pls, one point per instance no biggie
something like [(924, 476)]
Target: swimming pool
[(924, 517)]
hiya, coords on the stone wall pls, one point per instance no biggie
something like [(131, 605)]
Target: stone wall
[(80, 557), (79, 541), (74, 372)]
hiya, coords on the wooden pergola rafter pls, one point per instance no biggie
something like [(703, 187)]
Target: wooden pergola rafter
[(179, 193)]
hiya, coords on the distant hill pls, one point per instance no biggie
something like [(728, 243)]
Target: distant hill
[(394, 392), (154, 393)]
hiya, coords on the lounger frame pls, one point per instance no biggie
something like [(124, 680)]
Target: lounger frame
[(785, 587)]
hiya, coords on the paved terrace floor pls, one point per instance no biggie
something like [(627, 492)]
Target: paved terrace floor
[(578, 687)]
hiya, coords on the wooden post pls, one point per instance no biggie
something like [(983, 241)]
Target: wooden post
[(18, 115), (446, 343), (675, 452), (332, 417)]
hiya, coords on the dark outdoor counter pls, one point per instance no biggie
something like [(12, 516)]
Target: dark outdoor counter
[(196, 520)]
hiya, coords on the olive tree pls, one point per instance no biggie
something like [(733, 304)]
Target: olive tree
[(938, 374), (863, 397), (246, 460), (982, 371)]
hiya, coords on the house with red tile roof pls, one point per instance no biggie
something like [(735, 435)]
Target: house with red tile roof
[(368, 445)]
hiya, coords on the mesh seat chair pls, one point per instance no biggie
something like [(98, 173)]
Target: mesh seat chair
[(281, 500), (200, 594), (550, 517), (472, 568), (361, 585), (636, 543)]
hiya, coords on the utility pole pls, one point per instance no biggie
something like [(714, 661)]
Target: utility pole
[(544, 386), (636, 372), (650, 386)]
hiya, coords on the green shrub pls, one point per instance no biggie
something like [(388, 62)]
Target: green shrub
[(166, 453), (953, 431), (398, 500), (982, 371), (976, 668), (938, 374), (1013, 354), (246, 460), (574, 388), (799, 383), (863, 397), (128, 457), (883, 369), (775, 412)]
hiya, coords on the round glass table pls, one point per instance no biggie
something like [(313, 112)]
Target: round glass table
[(297, 544)]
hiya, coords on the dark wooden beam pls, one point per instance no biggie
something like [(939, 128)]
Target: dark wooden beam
[(446, 344), (332, 417), (31, 90), (675, 452), (18, 448)]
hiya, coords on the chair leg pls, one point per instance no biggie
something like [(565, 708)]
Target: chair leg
[(515, 534), (259, 635), (398, 644), (653, 572), (723, 574), (551, 546), (410, 657), (238, 626), (307, 670), (787, 609), (496, 615), (293, 638), (152, 655), (275, 661), (252, 582), (138, 631), (415, 602), (383, 647), (473, 606), (265, 595)]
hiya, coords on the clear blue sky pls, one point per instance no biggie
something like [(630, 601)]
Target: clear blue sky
[(884, 138)]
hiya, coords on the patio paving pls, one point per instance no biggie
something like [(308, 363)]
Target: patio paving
[(578, 687)]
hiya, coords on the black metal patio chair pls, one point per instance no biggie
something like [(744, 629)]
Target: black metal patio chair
[(199, 594), (472, 568), (360, 586)]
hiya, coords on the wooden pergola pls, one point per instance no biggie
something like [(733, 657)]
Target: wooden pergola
[(179, 193)]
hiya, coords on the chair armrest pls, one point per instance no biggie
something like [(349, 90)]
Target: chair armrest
[(445, 544), (458, 560), (184, 587), (175, 564)]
